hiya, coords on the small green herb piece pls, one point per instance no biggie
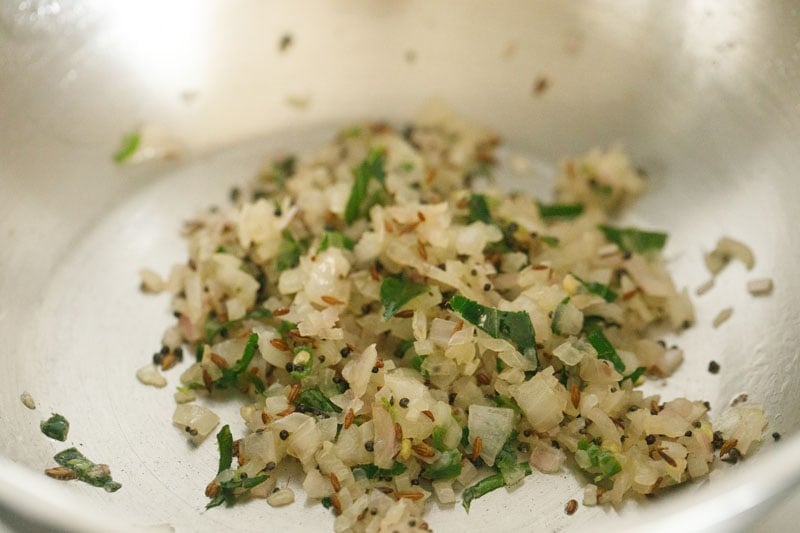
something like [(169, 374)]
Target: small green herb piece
[(600, 289), (128, 146), (446, 466), (326, 502), (634, 240), (481, 488), (567, 211), (506, 462), (284, 168), (230, 376), (214, 328), (600, 458), (371, 471), (416, 364), (403, 347), (56, 427), (227, 490), (396, 292), (605, 350), (508, 403), (635, 375), (513, 326), (289, 252), (552, 242), (406, 166), (335, 239), (479, 209), (437, 438), (304, 370), (465, 436), (87, 471), (314, 400), (225, 445), (373, 167)]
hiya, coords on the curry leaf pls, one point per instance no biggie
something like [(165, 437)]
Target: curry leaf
[(396, 292), (513, 326)]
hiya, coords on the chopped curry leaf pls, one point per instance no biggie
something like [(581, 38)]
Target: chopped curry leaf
[(437, 438), (228, 489), (130, 143), (225, 445), (446, 466), (635, 375), (568, 211), (283, 169), (605, 350), (373, 167), (508, 403), (481, 488), (314, 400), (633, 239), (396, 292), (87, 471), (56, 427), (552, 242), (479, 209), (416, 364), (513, 326), (601, 459), (600, 289), (289, 252), (214, 328), (371, 471), (506, 462), (230, 376), (335, 239)]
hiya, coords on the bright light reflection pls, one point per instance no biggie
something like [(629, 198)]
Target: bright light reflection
[(166, 43)]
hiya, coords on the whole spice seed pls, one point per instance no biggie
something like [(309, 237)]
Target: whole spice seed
[(335, 482), (405, 313), (208, 383), (410, 494), (219, 360), (482, 378), (403, 402), (168, 361), (279, 344), (398, 431), (477, 446), (330, 300), (727, 446), (265, 418), (421, 250), (423, 450), (280, 311), (61, 473), (293, 392), (669, 460), (571, 507), (337, 505), (713, 367), (575, 395), (286, 412), (348, 419), (429, 414)]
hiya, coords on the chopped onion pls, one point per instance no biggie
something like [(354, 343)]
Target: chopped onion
[(196, 420)]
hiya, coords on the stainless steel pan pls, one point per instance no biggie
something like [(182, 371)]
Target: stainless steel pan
[(705, 95)]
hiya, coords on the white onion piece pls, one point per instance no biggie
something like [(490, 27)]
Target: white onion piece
[(281, 497), (493, 425), (197, 419), (745, 423), (149, 375)]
